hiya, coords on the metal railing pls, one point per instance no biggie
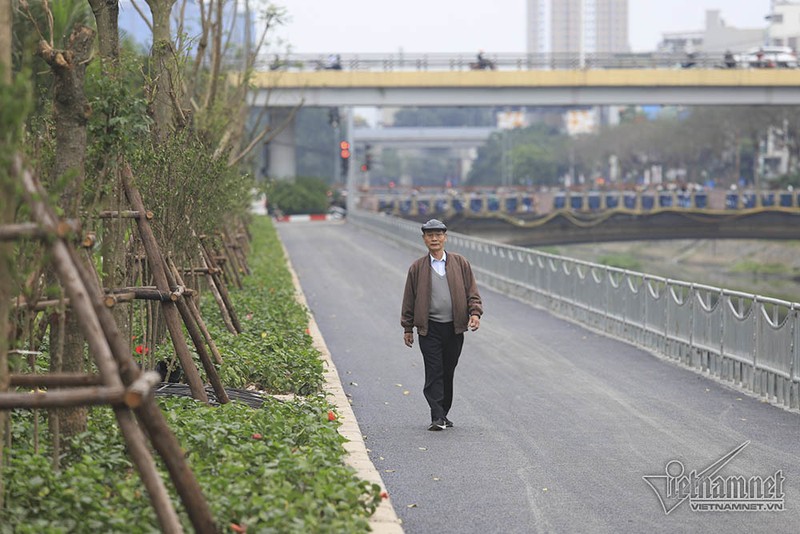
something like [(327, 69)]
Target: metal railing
[(483, 203), (746, 340), (496, 61)]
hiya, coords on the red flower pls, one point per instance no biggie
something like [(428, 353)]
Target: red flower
[(308, 331), (257, 436), (238, 528), (384, 495), (331, 415), (141, 349)]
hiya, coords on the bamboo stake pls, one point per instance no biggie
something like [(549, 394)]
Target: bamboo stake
[(65, 398), (231, 255), (223, 290), (199, 343), (198, 317), (171, 314), (55, 380), (140, 452), (141, 388)]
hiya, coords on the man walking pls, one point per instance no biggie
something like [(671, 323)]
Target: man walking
[(441, 299)]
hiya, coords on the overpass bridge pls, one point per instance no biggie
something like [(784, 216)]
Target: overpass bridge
[(440, 81)]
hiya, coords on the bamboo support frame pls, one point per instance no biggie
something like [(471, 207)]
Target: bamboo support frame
[(198, 317), (171, 313), (198, 341), (87, 301)]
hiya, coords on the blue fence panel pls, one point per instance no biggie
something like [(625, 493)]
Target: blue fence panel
[(493, 204), (630, 201), (786, 200), (458, 205), (576, 202), (731, 201), (476, 204), (665, 200), (684, 200), (441, 205), (385, 205), (700, 200), (559, 202), (612, 201), (527, 203), (768, 199), (594, 202), (648, 201), (748, 200), (423, 207), (511, 204), (405, 206)]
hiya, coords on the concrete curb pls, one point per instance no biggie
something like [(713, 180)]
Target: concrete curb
[(384, 520)]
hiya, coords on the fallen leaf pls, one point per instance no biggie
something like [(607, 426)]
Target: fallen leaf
[(390, 470), (411, 506), (399, 385)]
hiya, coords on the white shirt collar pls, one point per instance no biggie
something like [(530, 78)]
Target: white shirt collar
[(444, 257)]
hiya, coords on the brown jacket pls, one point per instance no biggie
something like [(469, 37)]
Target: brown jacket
[(417, 295)]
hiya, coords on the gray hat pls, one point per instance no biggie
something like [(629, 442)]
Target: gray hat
[(434, 225)]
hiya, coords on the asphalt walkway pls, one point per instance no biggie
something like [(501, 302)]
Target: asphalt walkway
[(555, 426)]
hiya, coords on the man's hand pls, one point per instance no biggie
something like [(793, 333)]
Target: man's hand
[(474, 322), (408, 339)]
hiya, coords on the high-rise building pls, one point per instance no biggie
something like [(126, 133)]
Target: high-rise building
[(572, 26)]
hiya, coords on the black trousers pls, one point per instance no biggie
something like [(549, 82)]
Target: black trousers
[(440, 351)]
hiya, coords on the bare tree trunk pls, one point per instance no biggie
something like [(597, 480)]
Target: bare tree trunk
[(164, 70), (106, 14), (71, 113)]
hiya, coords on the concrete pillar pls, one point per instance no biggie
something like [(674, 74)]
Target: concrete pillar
[(282, 158)]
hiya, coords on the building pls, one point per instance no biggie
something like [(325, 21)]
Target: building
[(784, 24), (715, 38), (575, 26)]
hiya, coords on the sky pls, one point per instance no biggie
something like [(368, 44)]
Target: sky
[(496, 26)]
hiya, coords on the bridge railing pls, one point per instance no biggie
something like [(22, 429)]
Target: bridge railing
[(499, 61), (746, 340), (585, 201)]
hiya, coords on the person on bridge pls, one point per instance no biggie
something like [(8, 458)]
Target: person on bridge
[(441, 300)]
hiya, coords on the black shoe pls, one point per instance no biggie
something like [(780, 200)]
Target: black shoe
[(448, 423), (437, 424)]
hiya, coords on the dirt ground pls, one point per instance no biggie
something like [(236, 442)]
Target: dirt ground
[(769, 268)]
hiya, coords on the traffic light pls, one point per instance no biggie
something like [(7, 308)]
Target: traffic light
[(344, 156)]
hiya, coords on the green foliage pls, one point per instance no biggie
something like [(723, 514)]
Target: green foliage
[(538, 156), (274, 327), (186, 187), (274, 469), (305, 195), (15, 105)]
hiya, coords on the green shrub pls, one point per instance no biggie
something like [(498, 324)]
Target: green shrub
[(305, 195)]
